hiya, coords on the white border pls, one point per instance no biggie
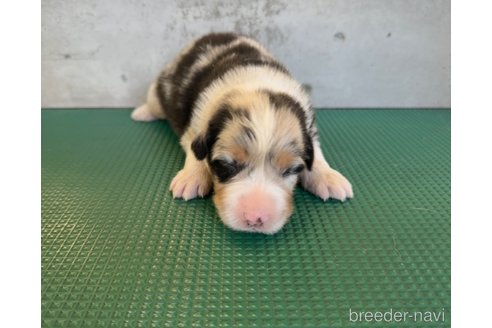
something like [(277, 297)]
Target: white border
[(20, 230), (471, 162)]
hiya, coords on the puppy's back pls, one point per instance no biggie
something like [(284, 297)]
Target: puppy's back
[(198, 66)]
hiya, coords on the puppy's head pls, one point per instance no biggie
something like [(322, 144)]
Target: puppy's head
[(256, 144)]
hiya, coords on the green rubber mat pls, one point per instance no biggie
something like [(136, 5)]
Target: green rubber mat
[(118, 251)]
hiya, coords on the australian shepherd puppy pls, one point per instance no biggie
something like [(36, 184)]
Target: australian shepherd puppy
[(247, 128)]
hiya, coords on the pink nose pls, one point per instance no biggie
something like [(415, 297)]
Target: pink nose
[(256, 208)]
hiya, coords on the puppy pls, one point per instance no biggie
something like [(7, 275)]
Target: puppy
[(248, 131)]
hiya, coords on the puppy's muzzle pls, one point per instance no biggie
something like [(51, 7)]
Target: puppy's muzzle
[(256, 208)]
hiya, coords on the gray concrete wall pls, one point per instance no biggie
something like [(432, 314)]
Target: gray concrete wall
[(367, 53)]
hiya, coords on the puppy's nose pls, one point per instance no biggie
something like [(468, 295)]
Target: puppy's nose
[(256, 208), (255, 219)]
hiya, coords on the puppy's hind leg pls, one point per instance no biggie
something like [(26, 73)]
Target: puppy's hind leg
[(325, 182), (194, 180), (151, 110)]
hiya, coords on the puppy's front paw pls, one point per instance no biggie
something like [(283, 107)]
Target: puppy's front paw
[(190, 183), (327, 183)]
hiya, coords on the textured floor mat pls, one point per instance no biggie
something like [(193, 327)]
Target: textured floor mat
[(118, 251)]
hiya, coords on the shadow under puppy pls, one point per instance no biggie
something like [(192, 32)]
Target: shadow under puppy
[(247, 128)]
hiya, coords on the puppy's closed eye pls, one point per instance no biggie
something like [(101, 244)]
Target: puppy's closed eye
[(225, 170), (296, 169)]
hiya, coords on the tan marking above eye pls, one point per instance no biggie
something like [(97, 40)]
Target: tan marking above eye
[(239, 154), (283, 160)]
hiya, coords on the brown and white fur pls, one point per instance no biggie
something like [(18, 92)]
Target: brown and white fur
[(248, 131)]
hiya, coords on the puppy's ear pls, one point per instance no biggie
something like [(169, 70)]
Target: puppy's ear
[(203, 144), (308, 156), (200, 147)]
